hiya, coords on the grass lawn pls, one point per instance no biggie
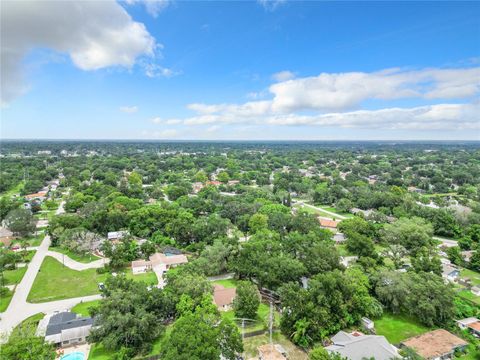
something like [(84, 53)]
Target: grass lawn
[(56, 282), (313, 211), (336, 211), (148, 277), (473, 275), (5, 300), (261, 319), (30, 321), (32, 240), (98, 352), (14, 276), (82, 308), (397, 328), (228, 283), (83, 258), (15, 190), (251, 344), (472, 354), (467, 294)]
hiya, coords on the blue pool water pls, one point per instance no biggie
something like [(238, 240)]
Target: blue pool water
[(73, 356)]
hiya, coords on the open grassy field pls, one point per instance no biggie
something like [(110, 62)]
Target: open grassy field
[(31, 240), (30, 321), (82, 308), (5, 300), (15, 190), (83, 258), (56, 282), (397, 328)]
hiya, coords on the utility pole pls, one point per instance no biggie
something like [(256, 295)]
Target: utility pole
[(270, 325)]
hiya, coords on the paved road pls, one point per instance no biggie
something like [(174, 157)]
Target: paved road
[(446, 242), (75, 265)]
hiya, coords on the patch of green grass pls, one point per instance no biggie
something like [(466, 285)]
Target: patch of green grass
[(98, 352), (82, 308), (56, 282), (227, 283), (30, 321), (31, 240), (467, 294), (336, 211), (261, 320), (148, 277), (14, 276), (471, 354), (14, 190), (397, 328), (5, 300), (472, 275), (83, 258)]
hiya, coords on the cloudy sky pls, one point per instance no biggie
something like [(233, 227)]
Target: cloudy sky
[(240, 70)]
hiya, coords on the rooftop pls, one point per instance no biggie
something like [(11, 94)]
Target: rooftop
[(434, 343)]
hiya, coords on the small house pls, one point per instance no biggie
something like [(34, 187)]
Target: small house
[(326, 223), (436, 345), (223, 297), (116, 236), (66, 328)]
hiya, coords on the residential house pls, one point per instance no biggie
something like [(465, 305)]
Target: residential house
[(233, 182), (6, 236), (330, 224), (66, 328), (223, 297), (450, 273), (339, 238), (116, 236), (158, 262), (472, 324), (358, 346), (435, 345), (214, 183), (39, 196), (272, 352), (467, 255), (197, 186)]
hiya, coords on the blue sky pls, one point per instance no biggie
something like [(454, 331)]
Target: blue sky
[(241, 70)]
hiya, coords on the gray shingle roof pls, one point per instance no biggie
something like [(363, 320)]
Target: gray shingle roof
[(359, 347), (64, 321)]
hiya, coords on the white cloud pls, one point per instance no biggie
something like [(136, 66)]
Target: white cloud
[(154, 70), (429, 117), (95, 34), (153, 7), (156, 120), (341, 91), (271, 5), (283, 76), (129, 109), (213, 129)]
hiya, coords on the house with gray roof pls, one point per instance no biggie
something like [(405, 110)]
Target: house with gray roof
[(66, 328), (358, 346)]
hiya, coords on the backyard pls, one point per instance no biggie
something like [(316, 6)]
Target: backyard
[(397, 328), (251, 344)]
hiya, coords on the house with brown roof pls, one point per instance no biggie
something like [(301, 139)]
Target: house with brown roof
[(158, 262), (330, 224), (223, 297), (435, 345), (472, 324)]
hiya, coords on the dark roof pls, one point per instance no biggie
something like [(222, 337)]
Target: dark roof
[(66, 320)]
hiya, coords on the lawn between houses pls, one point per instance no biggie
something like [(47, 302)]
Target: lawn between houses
[(56, 282), (397, 328)]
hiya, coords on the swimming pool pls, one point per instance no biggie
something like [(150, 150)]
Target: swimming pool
[(74, 356)]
